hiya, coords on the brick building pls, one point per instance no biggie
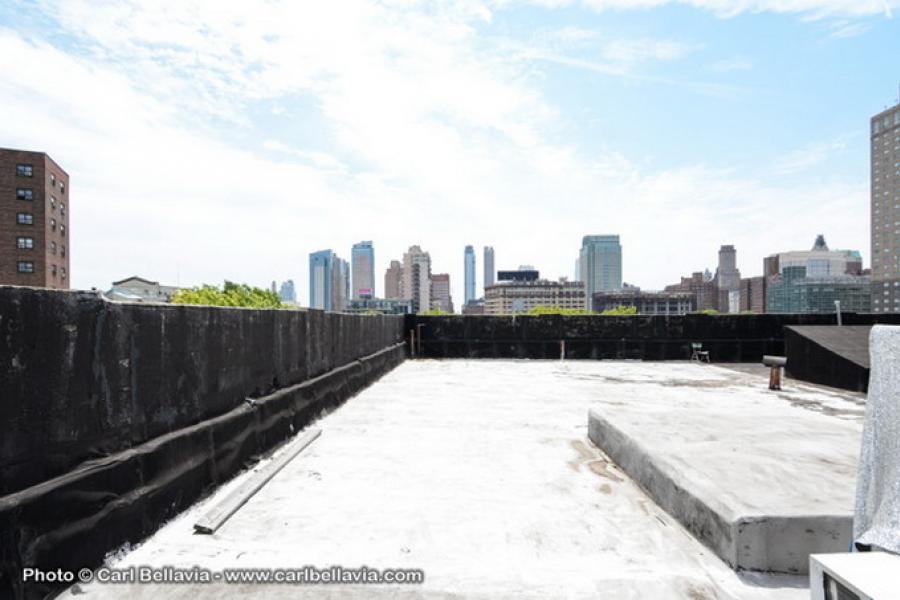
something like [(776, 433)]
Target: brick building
[(703, 287), (34, 220), (753, 294)]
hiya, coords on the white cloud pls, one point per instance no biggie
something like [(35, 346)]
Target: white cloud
[(425, 133), (737, 63), (811, 155), (847, 29), (731, 8), (633, 51)]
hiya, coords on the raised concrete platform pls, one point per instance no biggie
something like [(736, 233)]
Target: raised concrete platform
[(829, 355), (762, 478)]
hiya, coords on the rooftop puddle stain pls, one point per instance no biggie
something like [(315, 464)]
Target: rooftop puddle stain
[(595, 461)]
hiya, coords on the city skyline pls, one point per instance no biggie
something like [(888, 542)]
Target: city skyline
[(567, 133)]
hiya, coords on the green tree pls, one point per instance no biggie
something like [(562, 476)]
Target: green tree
[(435, 312), (231, 294), (556, 310), (621, 310)]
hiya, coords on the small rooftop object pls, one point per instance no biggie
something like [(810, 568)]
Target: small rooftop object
[(698, 353), (777, 364)]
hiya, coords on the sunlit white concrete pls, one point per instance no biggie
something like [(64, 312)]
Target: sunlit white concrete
[(479, 472)]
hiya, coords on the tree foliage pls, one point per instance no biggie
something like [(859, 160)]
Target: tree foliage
[(435, 312), (231, 294), (556, 310), (621, 310)]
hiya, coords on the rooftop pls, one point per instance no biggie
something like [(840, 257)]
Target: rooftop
[(481, 473)]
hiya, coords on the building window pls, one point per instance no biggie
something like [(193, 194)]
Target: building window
[(62, 187), (24, 170), (52, 203), (62, 208), (24, 243), (62, 230), (53, 224), (53, 270), (52, 180), (25, 219), (24, 194), (62, 249), (63, 272), (25, 266), (53, 248)]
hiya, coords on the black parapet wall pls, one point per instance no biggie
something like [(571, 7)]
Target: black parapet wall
[(727, 338), (115, 417), (839, 360)]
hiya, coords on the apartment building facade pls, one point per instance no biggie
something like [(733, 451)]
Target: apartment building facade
[(34, 220)]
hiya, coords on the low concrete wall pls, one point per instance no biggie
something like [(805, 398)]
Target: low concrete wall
[(115, 417), (728, 338)]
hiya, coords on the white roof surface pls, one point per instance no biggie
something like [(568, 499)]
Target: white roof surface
[(477, 471)]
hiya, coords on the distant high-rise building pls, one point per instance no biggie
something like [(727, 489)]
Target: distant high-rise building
[(393, 278), (600, 263), (510, 297), (811, 280), (440, 292), (704, 288), (362, 258), (287, 292), (469, 264), (819, 261), (416, 282), (753, 294), (34, 220), (728, 280), (321, 268), (885, 210), (342, 285), (489, 266), (794, 291), (329, 281), (728, 277), (646, 303)]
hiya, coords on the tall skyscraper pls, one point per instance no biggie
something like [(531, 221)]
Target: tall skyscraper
[(469, 264), (600, 262), (321, 268), (34, 219), (362, 259), (885, 210), (728, 280), (416, 281), (329, 281), (341, 289), (728, 277), (489, 266), (287, 292), (440, 292), (393, 278)]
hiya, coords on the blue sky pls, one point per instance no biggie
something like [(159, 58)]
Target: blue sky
[(207, 141)]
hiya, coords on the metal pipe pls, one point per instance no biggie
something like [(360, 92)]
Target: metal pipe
[(220, 513)]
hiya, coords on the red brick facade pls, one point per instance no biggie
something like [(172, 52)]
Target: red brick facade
[(37, 253)]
